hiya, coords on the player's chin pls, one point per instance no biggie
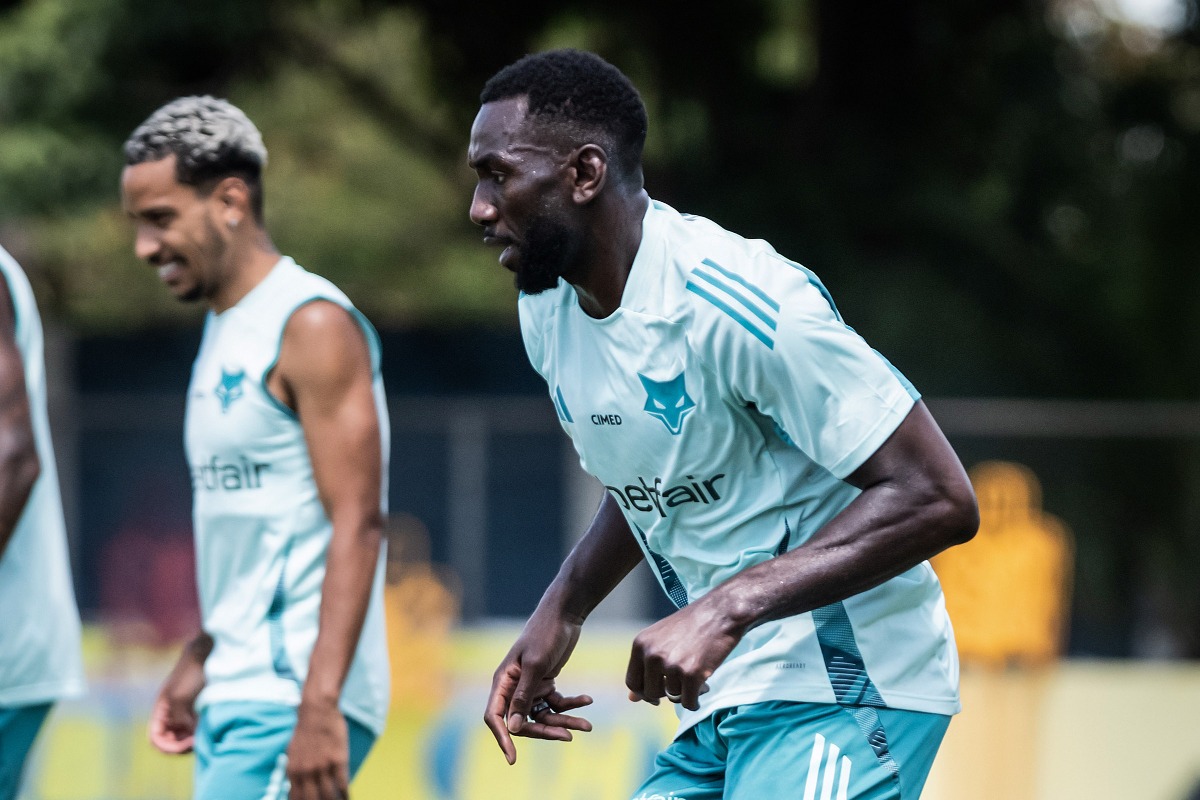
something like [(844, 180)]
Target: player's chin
[(509, 258), (187, 293), (529, 282)]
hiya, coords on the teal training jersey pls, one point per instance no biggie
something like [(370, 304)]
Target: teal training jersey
[(39, 622), (722, 405), (261, 530)]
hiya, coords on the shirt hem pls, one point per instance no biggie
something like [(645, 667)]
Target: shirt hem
[(372, 721), (947, 706), (43, 693)]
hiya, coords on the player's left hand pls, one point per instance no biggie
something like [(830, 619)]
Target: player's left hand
[(318, 759), (676, 655)]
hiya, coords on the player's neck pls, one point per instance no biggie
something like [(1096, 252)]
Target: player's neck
[(249, 264), (614, 244)]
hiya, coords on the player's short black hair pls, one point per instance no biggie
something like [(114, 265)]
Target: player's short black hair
[(584, 94), (210, 138)]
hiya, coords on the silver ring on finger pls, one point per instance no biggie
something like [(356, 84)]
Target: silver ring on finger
[(674, 698), (540, 707)]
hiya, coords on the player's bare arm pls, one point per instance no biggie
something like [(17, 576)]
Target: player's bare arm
[(324, 374), (173, 719), (19, 466), (916, 501), (526, 677)]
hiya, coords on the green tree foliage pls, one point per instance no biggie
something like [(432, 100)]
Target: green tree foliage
[(1011, 178), (366, 181)]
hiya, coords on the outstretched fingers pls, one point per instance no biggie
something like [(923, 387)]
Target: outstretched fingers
[(547, 719), (540, 715), (561, 702)]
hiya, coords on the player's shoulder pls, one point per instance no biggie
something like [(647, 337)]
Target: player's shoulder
[(319, 316), (8, 265), (15, 283), (323, 340), (314, 312), (673, 244), (730, 285), (17, 297), (305, 301), (297, 286)]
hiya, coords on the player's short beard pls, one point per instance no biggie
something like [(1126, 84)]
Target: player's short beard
[(215, 254), (548, 252)]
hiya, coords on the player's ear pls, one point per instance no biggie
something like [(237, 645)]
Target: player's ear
[(233, 195), (589, 172)]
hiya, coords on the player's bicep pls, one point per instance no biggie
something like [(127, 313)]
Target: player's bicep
[(325, 361)]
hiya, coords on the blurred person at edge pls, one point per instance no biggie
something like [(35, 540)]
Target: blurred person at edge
[(784, 481), (286, 687), (40, 659)]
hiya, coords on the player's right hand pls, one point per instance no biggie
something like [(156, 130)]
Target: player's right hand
[(172, 729), (525, 680), (172, 726)]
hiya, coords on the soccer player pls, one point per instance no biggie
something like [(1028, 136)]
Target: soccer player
[(40, 659), (785, 483), (286, 436)]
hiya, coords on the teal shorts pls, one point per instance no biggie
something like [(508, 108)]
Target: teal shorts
[(241, 750), (19, 726), (806, 751)]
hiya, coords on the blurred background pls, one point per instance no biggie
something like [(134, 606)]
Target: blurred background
[(1002, 195)]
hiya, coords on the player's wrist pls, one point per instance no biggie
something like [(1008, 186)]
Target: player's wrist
[(320, 696), (735, 612), (558, 603), (198, 648)]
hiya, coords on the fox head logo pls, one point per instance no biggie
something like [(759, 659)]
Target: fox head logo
[(230, 388), (668, 401)]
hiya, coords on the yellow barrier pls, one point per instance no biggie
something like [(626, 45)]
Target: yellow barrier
[(96, 748), (1095, 730)]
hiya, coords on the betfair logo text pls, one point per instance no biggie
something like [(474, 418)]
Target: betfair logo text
[(215, 475), (653, 497)]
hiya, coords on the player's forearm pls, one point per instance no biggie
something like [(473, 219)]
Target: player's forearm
[(915, 501), (886, 531), (186, 678), (350, 566), (600, 561)]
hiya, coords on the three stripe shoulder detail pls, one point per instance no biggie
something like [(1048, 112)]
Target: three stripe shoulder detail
[(737, 298)]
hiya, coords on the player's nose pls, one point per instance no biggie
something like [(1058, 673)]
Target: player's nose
[(483, 211), (146, 243)]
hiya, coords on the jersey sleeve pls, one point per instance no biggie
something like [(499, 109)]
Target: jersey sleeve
[(776, 340)]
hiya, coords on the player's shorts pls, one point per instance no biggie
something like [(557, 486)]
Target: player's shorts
[(241, 750), (806, 751), (19, 726)]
